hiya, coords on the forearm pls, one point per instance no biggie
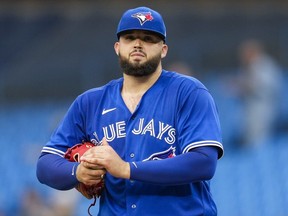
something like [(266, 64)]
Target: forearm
[(56, 172), (197, 165)]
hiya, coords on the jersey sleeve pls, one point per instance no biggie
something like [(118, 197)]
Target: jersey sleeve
[(199, 122), (69, 132), (202, 161)]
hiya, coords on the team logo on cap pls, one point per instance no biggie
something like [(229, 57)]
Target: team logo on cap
[(143, 17)]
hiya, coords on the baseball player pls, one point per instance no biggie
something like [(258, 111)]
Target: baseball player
[(158, 131)]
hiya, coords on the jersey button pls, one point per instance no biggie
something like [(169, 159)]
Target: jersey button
[(133, 206), (132, 155)]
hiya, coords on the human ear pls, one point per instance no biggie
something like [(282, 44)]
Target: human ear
[(116, 48), (164, 51)]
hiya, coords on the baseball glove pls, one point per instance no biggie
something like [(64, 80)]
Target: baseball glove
[(74, 154)]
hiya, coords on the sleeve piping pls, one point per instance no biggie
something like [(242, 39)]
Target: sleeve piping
[(205, 143), (53, 151)]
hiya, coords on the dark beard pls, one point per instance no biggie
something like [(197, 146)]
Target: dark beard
[(139, 70)]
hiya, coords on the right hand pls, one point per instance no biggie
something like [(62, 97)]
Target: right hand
[(89, 176)]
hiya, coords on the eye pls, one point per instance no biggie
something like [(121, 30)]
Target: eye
[(148, 38), (151, 39), (129, 37)]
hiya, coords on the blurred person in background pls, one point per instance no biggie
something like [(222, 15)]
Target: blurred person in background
[(181, 67), (59, 203), (259, 85), (64, 203), (33, 204)]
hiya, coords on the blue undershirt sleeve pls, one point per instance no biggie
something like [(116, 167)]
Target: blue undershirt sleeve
[(56, 172), (197, 165)]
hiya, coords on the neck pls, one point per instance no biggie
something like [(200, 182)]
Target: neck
[(135, 87)]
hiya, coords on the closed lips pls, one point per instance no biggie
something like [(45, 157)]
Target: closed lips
[(137, 53)]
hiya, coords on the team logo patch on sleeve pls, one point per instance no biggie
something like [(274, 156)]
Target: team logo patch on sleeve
[(143, 17), (169, 153)]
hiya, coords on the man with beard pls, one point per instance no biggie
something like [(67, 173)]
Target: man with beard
[(158, 131)]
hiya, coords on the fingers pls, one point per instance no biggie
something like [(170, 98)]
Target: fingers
[(105, 156), (92, 180), (97, 151), (91, 165), (104, 142), (89, 176), (96, 154)]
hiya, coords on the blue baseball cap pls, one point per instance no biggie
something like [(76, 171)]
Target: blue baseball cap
[(142, 18)]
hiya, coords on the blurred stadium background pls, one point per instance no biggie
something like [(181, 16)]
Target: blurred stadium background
[(51, 51)]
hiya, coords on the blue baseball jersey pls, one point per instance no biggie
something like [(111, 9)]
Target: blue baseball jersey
[(174, 116)]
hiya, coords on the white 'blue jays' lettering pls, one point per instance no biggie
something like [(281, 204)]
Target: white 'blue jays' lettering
[(118, 130)]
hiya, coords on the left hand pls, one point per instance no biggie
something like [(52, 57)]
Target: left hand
[(106, 157)]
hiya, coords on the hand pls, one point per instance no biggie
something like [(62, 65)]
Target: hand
[(106, 157), (89, 175)]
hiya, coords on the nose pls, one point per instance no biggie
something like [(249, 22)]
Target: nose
[(138, 43)]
